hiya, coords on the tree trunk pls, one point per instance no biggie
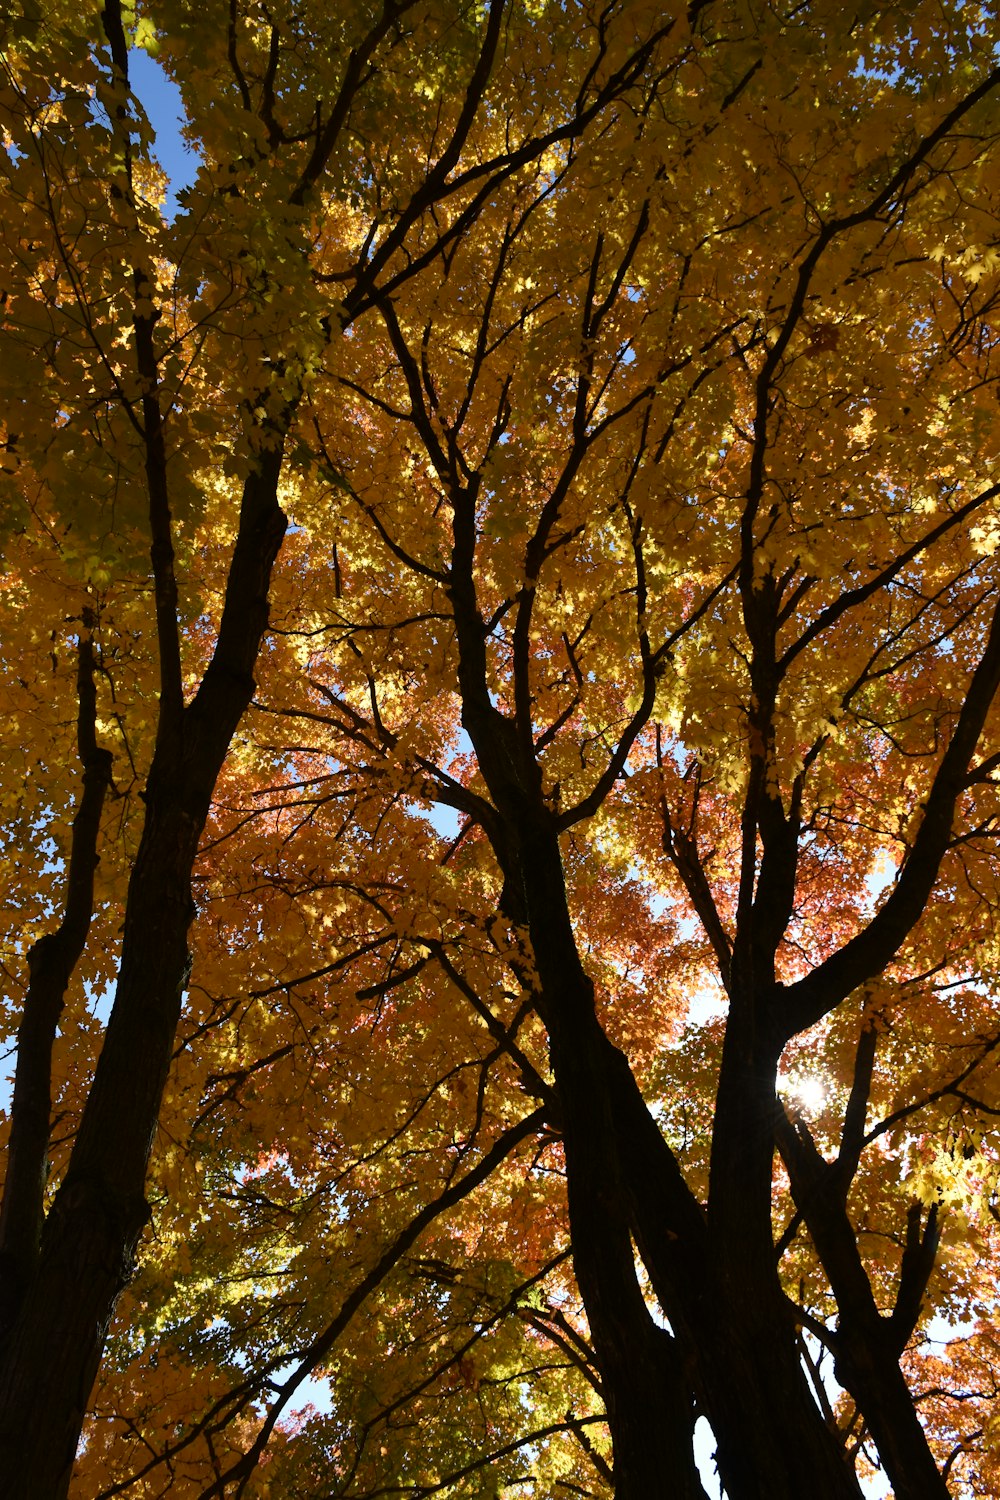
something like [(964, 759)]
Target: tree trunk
[(868, 1343), (51, 962), (717, 1281), (773, 1443), (50, 1358), (649, 1403)]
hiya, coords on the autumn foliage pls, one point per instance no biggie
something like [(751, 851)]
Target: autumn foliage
[(500, 773)]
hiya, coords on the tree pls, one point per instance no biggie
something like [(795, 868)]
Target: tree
[(629, 380)]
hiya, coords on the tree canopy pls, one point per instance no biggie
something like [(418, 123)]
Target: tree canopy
[(501, 755)]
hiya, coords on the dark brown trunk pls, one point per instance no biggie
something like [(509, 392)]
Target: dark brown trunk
[(733, 1324), (868, 1343), (869, 1369), (51, 962), (649, 1403), (735, 1352), (90, 1236), (50, 1357), (773, 1443)]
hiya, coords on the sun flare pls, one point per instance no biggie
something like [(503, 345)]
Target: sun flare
[(807, 1091)]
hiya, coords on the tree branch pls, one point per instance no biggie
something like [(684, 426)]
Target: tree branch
[(51, 961)]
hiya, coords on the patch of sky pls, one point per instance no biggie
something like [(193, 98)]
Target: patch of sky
[(880, 876), (13, 152), (100, 1001), (312, 1393), (444, 820), (708, 1003), (704, 1457), (161, 99)]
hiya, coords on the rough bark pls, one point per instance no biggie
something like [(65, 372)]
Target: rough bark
[(772, 1439), (869, 1343), (51, 1355), (716, 1278), (734, 1350), (51, 962)]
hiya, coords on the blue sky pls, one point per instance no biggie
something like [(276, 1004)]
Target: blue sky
[(161, 99)]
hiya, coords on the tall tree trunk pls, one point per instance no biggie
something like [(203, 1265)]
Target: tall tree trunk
[(650, 1406), (50, 1357), (869, 1343), (735, 1351), (773, 1443), (717, 1282)]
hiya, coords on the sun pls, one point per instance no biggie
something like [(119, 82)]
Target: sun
[(808, 1091)]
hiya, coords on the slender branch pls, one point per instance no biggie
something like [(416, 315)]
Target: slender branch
[(51, 961), (850, 598), (867, 954), (852, 1139), (356, 72), (241, 1472), (919, 1252), (144, 319)]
